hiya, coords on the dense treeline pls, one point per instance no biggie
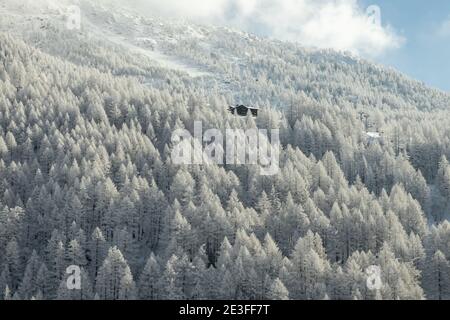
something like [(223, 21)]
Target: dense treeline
[(86, 178)]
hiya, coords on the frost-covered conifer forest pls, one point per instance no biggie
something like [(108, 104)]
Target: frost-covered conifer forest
[(86, 177)]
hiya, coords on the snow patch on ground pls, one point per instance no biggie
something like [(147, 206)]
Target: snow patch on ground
[(160, 58), (134, 39), (374, 135)]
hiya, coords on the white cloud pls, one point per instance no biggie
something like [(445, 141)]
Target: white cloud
[(337, 24), (196, 9)]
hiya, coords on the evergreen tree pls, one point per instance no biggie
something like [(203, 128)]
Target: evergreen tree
[(149, 281), (278, 291), (114, 279), (436, 279)]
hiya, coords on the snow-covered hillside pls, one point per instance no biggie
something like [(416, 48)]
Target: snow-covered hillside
[(87, 178), (237, 64)]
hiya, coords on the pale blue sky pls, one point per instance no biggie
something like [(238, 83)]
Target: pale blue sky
[(425, 55)]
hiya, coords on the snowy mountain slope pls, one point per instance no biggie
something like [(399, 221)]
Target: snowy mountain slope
[(87, 179), (237, 64), (24, 18)]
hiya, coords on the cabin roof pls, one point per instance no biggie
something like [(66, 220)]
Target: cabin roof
[(244, 106), (243, 110)]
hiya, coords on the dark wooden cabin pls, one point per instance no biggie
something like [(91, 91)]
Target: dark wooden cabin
[(242, 110)]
